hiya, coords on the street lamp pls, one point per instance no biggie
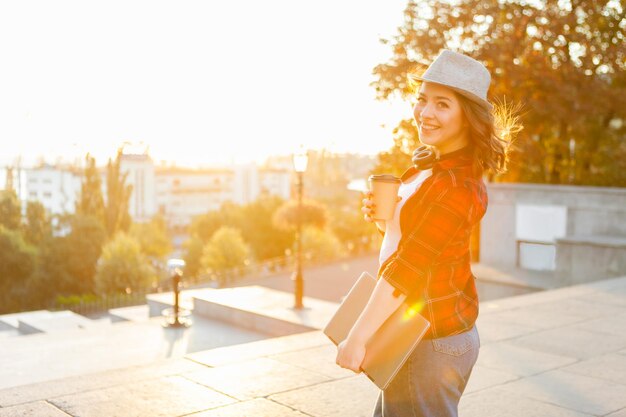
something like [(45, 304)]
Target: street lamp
[(300, 161)]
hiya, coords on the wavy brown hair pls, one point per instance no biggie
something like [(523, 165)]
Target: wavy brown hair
[(491, 132)]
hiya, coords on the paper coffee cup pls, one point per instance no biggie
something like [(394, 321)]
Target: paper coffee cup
[(384, 190)]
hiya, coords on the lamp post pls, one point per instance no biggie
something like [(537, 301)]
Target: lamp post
[(300, 161)]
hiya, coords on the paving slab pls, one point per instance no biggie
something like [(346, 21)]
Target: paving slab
[(42, 357), (620, 413), (40, 408), (611, 367), (516, 360), (164, 397), (528, 300), (89, 382), (604, 324), (483, 378), (568, 390), (259, 407), (354, 397), (491, 328), (319, 359), (549, 315), (573, 341), (252, 350), (616, 298), (496, 402), (255, 378)]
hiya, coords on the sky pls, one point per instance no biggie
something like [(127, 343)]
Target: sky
[(199, 82)]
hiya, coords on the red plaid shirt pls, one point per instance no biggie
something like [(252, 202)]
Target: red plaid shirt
[(432, 263)]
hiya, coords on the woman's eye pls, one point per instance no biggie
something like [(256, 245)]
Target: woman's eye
[(442, 105)]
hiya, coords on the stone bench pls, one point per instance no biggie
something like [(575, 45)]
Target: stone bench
[(586, 258)]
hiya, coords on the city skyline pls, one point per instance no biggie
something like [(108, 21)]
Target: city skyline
[(183, 79)]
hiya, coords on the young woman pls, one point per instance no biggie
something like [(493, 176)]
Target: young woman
[(424, 257)]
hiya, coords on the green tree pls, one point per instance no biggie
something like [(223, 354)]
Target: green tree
[(229, 214), (398, 158), (563, 61), (90, 201), (18, 261), (10, 210), (153, 238), (321, 244), (68, 262), (225, 251), (116, 214), (123, 267), (348, 225), (255, 220), (193, 256), (313, 214), (38, 226), (259, 231)]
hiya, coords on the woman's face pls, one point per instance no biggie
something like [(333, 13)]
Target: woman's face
[(440, 120)]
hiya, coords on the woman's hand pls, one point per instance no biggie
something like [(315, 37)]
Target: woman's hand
[(368, 210), (368, 207), (350, 355)]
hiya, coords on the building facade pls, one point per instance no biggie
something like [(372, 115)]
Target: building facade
[(178, 194)]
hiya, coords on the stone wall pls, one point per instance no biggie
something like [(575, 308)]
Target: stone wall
[(594, 216)]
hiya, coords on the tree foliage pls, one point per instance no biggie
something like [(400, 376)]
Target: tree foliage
[(321, 244), (123, 267), (17, 258), (18, 261), (90, 201), (116, 214), (398, 158), (311, 213), (38, 226), (193, 256), (10, 210), (225, 250), (254, 220), (563, 61), (68, 263), (153, 238)]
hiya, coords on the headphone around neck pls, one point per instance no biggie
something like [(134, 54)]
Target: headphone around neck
[(424, 157)]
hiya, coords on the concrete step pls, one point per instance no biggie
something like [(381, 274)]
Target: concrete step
[(263, 309), (55, 322), (74, 351), (135, 313)]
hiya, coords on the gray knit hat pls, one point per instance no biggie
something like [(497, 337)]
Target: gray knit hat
[(461, 73)]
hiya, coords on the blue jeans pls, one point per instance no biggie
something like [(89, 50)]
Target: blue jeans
[(432, 380)]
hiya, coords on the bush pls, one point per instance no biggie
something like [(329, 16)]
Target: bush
[(321, 245), (225, 251), (122, 267)]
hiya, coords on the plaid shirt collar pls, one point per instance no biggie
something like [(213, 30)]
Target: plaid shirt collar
[(460, 158)]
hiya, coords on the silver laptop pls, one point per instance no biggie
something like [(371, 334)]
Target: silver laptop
[(391, 345)]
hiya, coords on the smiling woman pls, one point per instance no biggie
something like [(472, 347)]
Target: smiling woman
[(424, 256)]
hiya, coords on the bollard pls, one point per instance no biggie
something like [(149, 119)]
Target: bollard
[(176, 317)]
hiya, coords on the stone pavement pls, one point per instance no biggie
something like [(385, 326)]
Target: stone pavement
[(554, 353)]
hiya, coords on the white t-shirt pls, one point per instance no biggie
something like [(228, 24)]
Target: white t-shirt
[(392, 227)]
